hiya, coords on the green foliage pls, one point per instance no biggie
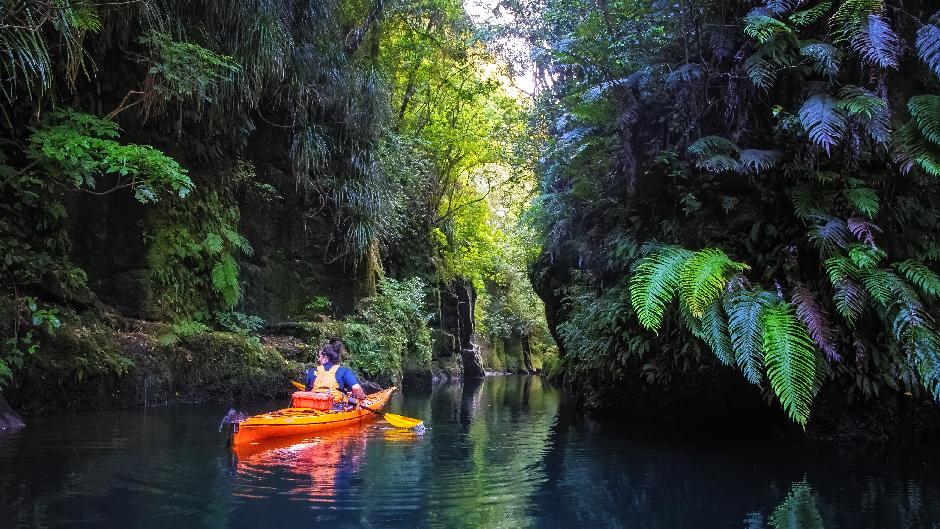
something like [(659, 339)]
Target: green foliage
[(704, 276), (654, 283), (80, 149), (192, 255), (240, 323), (920, 275), (388, 327), (790, 358), (183, 330), (185, 69), (28, 321), (744, 308)]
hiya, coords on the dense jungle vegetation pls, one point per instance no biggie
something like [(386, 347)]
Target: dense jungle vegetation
[(358, 158), (771, 165)]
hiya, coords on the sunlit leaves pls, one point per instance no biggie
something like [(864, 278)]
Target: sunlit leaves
[(790, 359), (654, 283), (703, 277)]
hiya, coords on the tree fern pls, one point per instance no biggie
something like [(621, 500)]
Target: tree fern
[(744, 309), (823, 120), (790, 360), (928, 44), (926, 112), (714, 330), (811, 15), (654, 282), (918, 273), (704, 276), (816, 319)]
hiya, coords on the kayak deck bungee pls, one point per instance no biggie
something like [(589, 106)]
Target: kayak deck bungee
[(300, 421)]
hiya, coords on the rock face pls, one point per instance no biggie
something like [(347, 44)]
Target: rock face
[(457, 318), (9, 420)]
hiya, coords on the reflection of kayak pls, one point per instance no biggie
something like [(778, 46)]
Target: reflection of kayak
[(302, 421)]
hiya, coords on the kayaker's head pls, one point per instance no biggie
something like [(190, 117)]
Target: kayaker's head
[(328, 355), (338, 346)]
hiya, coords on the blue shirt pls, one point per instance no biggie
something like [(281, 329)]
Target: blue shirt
[(344, 377)]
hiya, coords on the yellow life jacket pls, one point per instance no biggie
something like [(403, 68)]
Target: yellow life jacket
[(326, 382)]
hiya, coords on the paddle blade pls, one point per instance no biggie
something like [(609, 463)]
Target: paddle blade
[(399, 421), (298, 385)]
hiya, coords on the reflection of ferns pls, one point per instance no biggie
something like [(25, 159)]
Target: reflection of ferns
[(798, 509)]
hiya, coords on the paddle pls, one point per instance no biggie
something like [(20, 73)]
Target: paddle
[(398, 421)]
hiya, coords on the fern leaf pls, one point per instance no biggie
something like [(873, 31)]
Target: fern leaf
[(926, 112), (684, 74), (923, 345), (857, 101), (816, 319), (759, 25), (928, 45), (714, 330), (711, 145), (826, 58), (912, 150), (790, 359), (918, 273), (811, 15), (864, 200), (850, 300), (841, 268), (865, 257), (876, 42), (852, 12), (831, 235), (880, 285), (863, 230), (760, 70), (704, 276), (744, 309), (719, 163), (655, 282), (823, 120), (759, 160), (225, 280), (779, 7)]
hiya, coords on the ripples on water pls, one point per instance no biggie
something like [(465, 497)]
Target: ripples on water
[(502, 454)]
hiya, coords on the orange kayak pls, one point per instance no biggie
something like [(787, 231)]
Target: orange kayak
[(302, 421)]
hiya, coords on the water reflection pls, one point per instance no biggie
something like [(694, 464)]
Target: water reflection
[(502, 452)]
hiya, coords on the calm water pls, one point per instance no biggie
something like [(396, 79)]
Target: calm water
[(502, 454)]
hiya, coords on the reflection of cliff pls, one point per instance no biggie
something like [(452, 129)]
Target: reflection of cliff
[(330, 460)]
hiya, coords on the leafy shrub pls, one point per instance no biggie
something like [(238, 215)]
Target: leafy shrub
[(240, 323)]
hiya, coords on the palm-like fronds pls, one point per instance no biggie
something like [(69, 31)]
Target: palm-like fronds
[(704, 276), (928, 44), (816, 319), (744, 308), (790, 360), (759, 159), (654, 282), (918, 273)]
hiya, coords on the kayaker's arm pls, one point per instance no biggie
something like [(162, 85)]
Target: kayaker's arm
[(357, 392)]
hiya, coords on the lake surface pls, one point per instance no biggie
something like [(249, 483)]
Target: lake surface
[(505, 453)]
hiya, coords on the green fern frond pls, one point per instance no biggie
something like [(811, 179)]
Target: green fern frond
[(840, 268), (811, 15), (714, 330), (225, 280), (790, 359), (864, 200), (719, 163), (918, 273), (744, 309), (831, 235), (850, 300), (852, 12), (923, 345), (864, 256), (926, 112), (711, 145), (758, 25), (911, 150), (857, 101), (760, 70), (880, 284), (704, 276), (654, 282)]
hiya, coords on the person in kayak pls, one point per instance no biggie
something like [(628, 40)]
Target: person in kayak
[(331, 377)]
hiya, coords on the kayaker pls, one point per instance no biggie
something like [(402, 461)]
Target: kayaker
[(332, 377)]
